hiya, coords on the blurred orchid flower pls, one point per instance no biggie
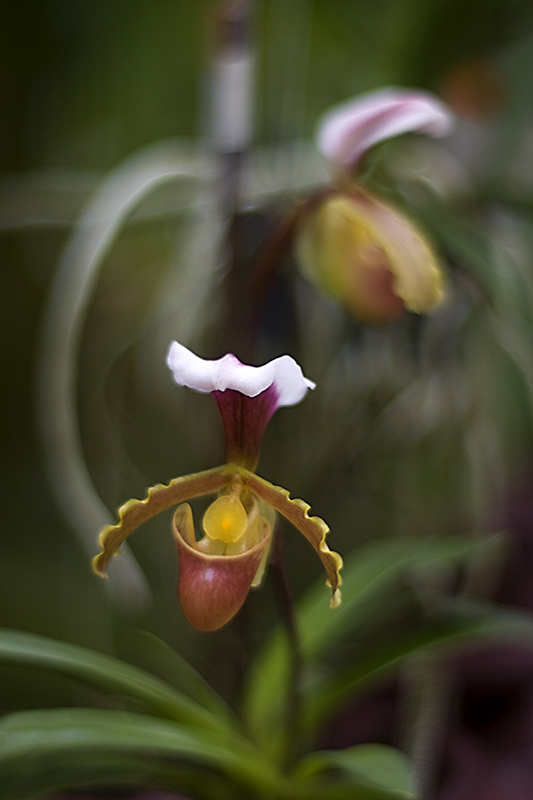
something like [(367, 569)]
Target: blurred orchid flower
[(217, 570), (354, 246)]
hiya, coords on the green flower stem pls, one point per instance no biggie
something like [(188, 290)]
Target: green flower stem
[(428, 685), (286, 605)]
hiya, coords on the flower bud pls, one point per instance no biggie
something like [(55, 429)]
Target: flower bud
[(368, 256)]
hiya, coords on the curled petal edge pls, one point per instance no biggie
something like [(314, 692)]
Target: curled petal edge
[(160, 497), (314, 529)]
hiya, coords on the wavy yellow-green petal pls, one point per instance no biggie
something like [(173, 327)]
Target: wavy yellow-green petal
[(135, 512), (296, 511)]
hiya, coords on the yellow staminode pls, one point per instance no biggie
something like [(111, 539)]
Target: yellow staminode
[(226, 518)]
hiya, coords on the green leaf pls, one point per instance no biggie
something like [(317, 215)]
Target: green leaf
[(452, 623), (377, 767), (163, 661), (369, 574), (39, 743), (50, 773), (111, 674)]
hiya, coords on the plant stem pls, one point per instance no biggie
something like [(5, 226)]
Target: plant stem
[(428, 686), (286, 606)]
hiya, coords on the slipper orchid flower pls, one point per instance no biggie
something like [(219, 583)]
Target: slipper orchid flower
[(217, 570), (353, 245)]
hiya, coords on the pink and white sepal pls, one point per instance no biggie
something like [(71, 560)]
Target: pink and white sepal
[(347, 131), (246, 396)]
